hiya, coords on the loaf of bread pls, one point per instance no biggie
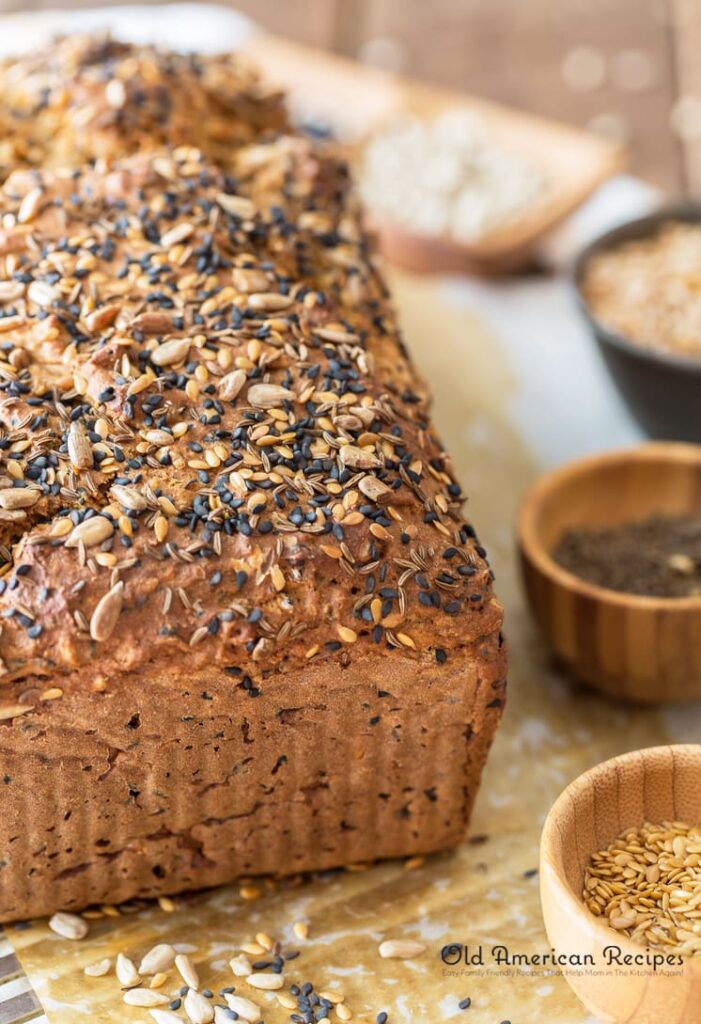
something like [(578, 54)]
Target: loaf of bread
[(245, 628)]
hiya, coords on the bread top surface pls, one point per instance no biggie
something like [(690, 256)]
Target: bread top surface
[(86, 98), (214, 450)]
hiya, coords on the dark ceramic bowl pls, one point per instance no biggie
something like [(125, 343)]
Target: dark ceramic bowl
[(661, 390)]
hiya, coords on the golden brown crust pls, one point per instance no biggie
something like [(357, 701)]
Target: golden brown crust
[(213, 444), (86, 98)]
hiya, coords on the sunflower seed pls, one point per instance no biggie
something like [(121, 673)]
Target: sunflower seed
[(166, 1017), (115, 93), (268, 982), (69, 926), (358, 458), (238, 205), (187, 970), (230, 385), (267, 396), (159, 437), (176, 234), (400, 949), (336, 335), (374, 489), (29, 207), (241, 966), (11, 290), (79, 447), (198, 1009), (107, 612), (350, 423), (127, 975), (129, 497), (41, 293), (247, 279), (99, 969), (18, 497), (246, 1009), (160, 958), (145, 997), (90, 532), (269, 302), (101, 318), (170, 352), (11, 323), (14, 711)]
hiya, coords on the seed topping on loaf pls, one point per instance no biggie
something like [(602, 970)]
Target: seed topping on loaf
[(212, 440), (86, 98)]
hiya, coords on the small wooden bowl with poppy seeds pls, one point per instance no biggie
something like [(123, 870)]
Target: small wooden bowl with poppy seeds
[(591, 849), (644, 503)]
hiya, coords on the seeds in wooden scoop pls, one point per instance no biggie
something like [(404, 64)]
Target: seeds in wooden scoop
[(647, 885)]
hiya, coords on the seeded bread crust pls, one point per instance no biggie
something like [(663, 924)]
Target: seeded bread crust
[(89, 98), (246, 628)]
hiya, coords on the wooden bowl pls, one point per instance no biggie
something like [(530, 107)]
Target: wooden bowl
[(637, 648), (658, 784), (356, 100), (437, 254)]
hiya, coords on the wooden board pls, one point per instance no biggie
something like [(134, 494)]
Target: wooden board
[(356, 100)]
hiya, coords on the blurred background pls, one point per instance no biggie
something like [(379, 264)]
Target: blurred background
[(629, 69)]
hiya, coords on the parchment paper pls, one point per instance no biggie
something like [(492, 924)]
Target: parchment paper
[(508, 402)]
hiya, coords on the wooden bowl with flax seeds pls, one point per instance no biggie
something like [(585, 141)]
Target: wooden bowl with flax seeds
[(642, 644), (620, 877)]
